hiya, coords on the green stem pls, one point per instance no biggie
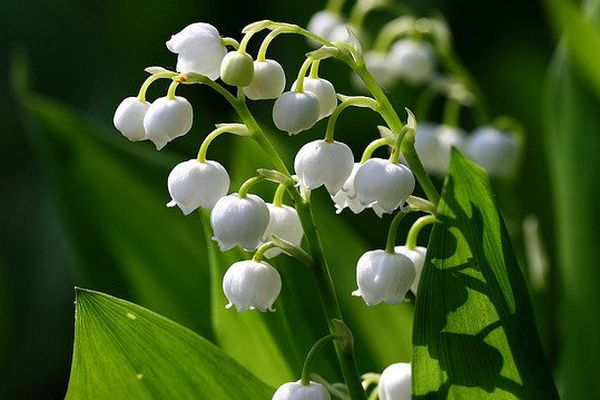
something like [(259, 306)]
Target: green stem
[(243, 192), (374, 145), (358, 101), (413, 233), (392, 232), (262, 51), (451, 113), (279, 193), (260, 252), (236, 129), (308, 362), (391, 31), (335, 6), (314, 69), (412, 158), (227, 41), (302, 73), (172, 89), (151, 79), (245, 41)]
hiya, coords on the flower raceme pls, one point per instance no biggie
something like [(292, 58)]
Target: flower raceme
[(299, 391), (395, 382), (251, 285)]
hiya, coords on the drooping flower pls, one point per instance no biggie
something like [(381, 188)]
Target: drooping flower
[(383, 185), (434, 143), (298, 391), (379, 66), (495, 151), (412, 60), (268, 82), (167, 119), (325, 93), (194, 184), (239, 221), (346, 196), (129, 118), (395, 382), (327, 25), (199, 49), (417, 256), (283, 222), (294, 112), (383, 277), (250, 285), (237, 69), (321, 163)]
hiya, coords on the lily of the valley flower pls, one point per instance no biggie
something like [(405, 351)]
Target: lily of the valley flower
[(285, 223), (326, 24), (413, 61), (417, 256), (194, 184), (167, 119), (346, 196), (325, 93), (239, 221), (294, 112), (495, 151), (434, 143), (129, 118), (237, 69), (383, 277), (383, 185), (268, 81), (395, 382), (250, 285), (199, 49), (298, 391), (321, 163)]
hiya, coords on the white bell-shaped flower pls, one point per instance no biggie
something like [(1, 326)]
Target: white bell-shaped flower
[(383, 185), (346, 197), (383, 277), (129, 118), (194, 184), (199, 49), (268, 82), (167, 119), (412, 60), (378, 65), (237, 69), (434, 143), (325, 24), (294, 112), (285, 223), (325, 93), (495, 151), (251, 285), (417, 256), (239, 221), (395, 382), (298, 391), (321, 163)]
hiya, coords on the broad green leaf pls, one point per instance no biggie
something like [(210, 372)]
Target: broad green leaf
[(124, 351), (474, 331), (572, 124)]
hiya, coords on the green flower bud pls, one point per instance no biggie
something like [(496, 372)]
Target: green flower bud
[(237, 69)]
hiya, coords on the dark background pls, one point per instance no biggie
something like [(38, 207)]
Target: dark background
[(90, 55)]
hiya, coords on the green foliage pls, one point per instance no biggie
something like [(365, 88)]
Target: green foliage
[(474, 331), (124, 351)]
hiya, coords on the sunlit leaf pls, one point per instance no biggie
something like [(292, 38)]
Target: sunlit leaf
[(474, 331)]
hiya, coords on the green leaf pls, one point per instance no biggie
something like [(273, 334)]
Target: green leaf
[(474, 331), (572, 124), (124, 351)]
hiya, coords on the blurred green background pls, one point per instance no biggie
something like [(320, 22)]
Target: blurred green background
[(64, 217)]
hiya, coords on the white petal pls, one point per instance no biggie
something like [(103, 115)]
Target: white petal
[(325, 93), (298, 391), (395, 382), (129, 117), (495, 151), (168, 119), (294, 112), (268, 82)]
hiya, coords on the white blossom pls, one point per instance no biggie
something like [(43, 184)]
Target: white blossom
[(239, 221), (395, 382), (379, 66), (324, 91), (199, 48), (129, 118), (250, 285), (194, 184), (294, 112), (237, 69), (434, 143), (495, 151), (167, 119), (383, 277), (321, 163), (298, 391), (346, 196), (417, 256), (285, 223), (412, 60), (268, 82), (327, 25), (383, 185)]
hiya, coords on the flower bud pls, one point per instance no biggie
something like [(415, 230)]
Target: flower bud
[(285, 223), (325, 93), (199, 49), (239, 221), (395, 382), (194, 184), (251, 284), (495, 151), (168, 119), (321, 163), (237, 69), (294, 112), (383, 185), (129, 118), (383, 276), (325, 24), (413, 61), (417, 256), (298, 391), (346, 196), (268, 81), (433, 144)]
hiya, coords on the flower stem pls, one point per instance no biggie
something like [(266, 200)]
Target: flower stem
[(311, 356), (414, 162), (357, 101), (172, 89), (260, 252), (248, 184), (392, 232), (279, 193), (236, 129), (374, 145), (413, 233), (302, 74), (151, 79)]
